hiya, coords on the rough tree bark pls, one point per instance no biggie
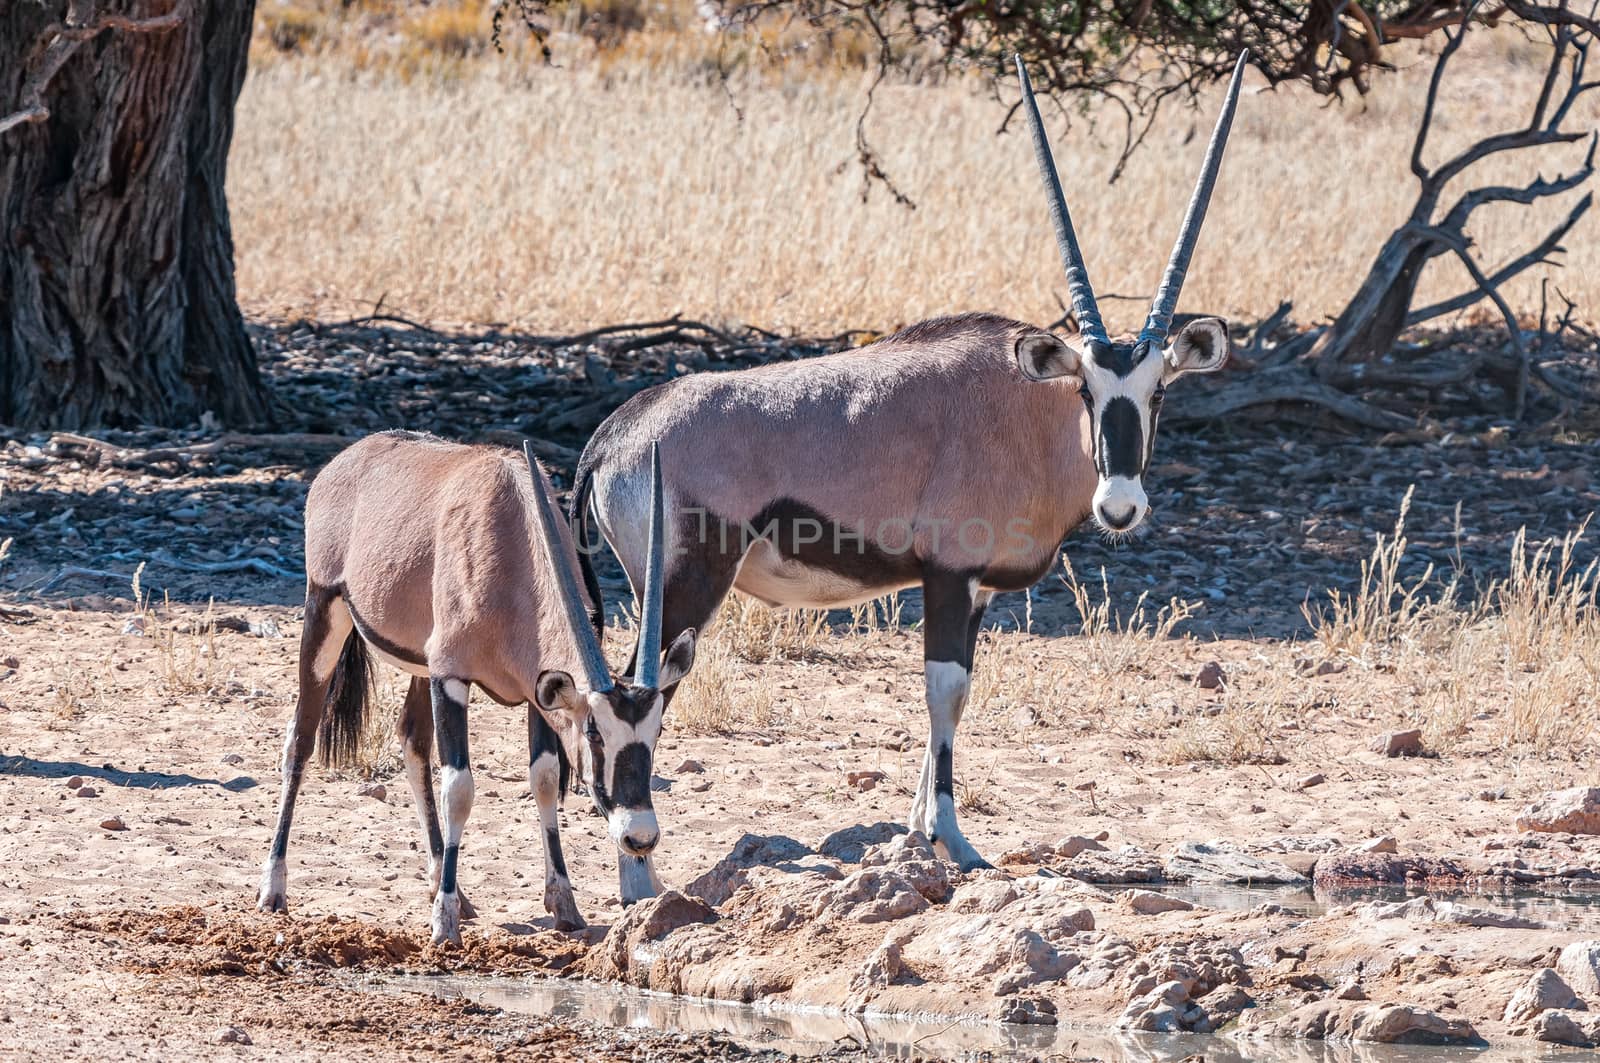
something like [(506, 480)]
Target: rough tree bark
[(117, 299)]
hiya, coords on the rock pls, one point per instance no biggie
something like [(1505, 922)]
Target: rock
[(1573, 811), (871, 895), (1072, 845), (690, 766), (1350, 989), (660, 916), (1028, 1010), (882, 967), (1126, 866), (1368, 869), (1403, 1024), (1398, 744), (375, 790), (1385, 844), (86, 792), (700, 786), (1158, 1011), (629, 951), (848, 845), (1211, 676), (913, 846), (1542, 992), (74, 782), (751, 850), (1220, 862), (1567, 1028), (231, 1035), (1579, 965), (865, 780), (1148, 902), (983, 895), (1336, 1020), (113, 824), (1026, 856), (1217, 1008), (1314, 779), (233, 760)]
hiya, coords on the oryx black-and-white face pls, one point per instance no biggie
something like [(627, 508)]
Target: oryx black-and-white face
[(1123, 382), (618, 730), (1122, 386)]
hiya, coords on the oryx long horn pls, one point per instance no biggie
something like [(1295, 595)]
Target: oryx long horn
[(594, 661), (647, 671), (1159, 322), (1078, 290)]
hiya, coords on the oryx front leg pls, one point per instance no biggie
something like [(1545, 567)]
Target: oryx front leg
[(322, 639), (416, 742), (449, 698), (544, 779), (953, 606)]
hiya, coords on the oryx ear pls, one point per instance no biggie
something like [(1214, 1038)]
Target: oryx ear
[(1202, 347), (556, 692), (678, 659), (1044, 356)]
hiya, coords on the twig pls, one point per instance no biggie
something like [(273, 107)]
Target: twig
[(78, 572), (243, 564)]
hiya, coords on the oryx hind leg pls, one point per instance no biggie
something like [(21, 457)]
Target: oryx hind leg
[(416, 743), (449, 698), (322, 639), (953, 608), (544, 779)]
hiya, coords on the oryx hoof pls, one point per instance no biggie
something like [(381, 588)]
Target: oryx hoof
[(273, 894), (447, 919), (961, 853), (563, 909)]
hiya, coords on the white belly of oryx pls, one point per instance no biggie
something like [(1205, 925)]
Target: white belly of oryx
[(767, 576)]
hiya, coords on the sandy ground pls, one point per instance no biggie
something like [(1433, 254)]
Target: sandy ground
[(173, 738)]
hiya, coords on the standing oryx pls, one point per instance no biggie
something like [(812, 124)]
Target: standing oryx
[(956, 454), (451, 563)]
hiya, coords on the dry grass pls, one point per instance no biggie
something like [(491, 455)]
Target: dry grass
[(757, 634), (723, 694), (1514, 667), (621, 183)]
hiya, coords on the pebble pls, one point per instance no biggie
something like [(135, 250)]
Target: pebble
[(1211, 676), (690, 766), (114, 823), (865, 780), (231, 1035), (1382, 844), (1314, 779), (1398, 744), (700, 786), (376, 790), (87, 791), (233, 759), (74, 782)]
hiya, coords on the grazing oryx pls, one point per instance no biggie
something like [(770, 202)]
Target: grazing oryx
[(956, 454), (451, 563)]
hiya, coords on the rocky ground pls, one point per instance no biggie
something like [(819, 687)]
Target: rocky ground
[(1114, 779)]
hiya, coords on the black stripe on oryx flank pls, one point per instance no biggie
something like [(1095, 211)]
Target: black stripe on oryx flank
[(1122, 438), (630, 776), (552, 845), (377, 641)]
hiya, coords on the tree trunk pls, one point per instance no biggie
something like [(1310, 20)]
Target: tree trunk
[(117, 299), (1372, 321)]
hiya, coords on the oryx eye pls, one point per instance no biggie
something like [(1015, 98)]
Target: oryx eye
[(591, 732), (1155, 400)]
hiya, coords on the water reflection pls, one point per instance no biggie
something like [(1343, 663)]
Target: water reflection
[(814, 1031), (1577, 908)]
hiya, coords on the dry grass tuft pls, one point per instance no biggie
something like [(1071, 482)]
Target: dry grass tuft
[(758, 634), (723, 694), (1515, 666)]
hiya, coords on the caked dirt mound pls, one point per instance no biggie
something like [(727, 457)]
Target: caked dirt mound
[(207, 942)]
